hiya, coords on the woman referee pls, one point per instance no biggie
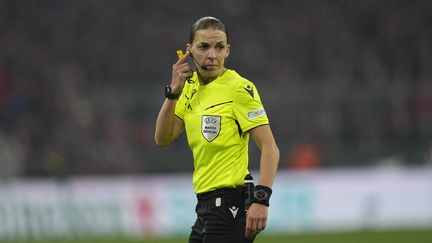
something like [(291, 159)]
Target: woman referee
[(219, 109)]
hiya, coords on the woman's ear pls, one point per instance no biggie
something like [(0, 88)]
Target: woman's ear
[(227, 51), (188, 47)]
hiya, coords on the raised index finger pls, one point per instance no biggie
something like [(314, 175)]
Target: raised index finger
[(182, 57)]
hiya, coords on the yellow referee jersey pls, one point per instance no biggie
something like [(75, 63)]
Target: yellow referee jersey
[(217, 118)]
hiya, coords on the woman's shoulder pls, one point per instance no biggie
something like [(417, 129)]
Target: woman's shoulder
[(236, 79), (242, 87)]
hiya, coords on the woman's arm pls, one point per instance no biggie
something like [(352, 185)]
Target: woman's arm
[(256, 218), (269, 160), (168, 125)]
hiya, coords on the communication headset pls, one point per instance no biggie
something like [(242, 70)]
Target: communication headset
[(195, 61)]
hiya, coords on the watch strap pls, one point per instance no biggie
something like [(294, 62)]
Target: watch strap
[(170, 95)]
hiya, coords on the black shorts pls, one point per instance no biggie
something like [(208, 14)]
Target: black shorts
[(221, 217)]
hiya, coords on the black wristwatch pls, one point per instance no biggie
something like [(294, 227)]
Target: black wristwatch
[(262, 195), (170, 95)]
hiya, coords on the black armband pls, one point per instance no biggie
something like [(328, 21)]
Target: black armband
[(262, 195)]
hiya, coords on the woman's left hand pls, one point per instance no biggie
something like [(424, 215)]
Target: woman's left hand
[(256, 219)]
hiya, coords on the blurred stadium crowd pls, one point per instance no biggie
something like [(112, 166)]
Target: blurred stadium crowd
[(345, 83)]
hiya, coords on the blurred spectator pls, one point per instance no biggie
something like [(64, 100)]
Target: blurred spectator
[(304, 156), (81, 81)]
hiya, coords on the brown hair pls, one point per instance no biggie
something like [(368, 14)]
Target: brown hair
[(206, 23)]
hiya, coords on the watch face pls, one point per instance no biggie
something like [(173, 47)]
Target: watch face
[(261, 195)]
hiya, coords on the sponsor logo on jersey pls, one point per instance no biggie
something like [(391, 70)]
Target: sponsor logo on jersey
[(250, 90), (256, 113), (210, 127)]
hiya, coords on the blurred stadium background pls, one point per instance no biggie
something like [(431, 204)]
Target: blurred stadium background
[(347, 86)]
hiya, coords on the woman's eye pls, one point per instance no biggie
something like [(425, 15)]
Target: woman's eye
[(203, 47)]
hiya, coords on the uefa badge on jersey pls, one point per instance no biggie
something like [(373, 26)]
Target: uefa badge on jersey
[(210, 127)]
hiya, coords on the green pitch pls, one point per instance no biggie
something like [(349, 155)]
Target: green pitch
[(402, 236)]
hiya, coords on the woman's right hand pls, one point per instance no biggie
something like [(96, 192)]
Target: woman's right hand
[(180, 72)]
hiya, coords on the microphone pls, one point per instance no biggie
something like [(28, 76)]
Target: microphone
[(195, 62)]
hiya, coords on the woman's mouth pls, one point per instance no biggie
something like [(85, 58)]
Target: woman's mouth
[(210, 67)]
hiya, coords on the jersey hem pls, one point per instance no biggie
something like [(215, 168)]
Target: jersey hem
[(247, 130)]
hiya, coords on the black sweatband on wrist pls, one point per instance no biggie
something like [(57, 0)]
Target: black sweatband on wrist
[(262, 195)]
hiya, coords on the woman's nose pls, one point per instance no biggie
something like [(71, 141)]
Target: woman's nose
[(212, 53)]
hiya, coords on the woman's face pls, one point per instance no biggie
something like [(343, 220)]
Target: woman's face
[(209, 49)]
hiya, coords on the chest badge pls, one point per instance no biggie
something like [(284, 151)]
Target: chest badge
[(210, 127)]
